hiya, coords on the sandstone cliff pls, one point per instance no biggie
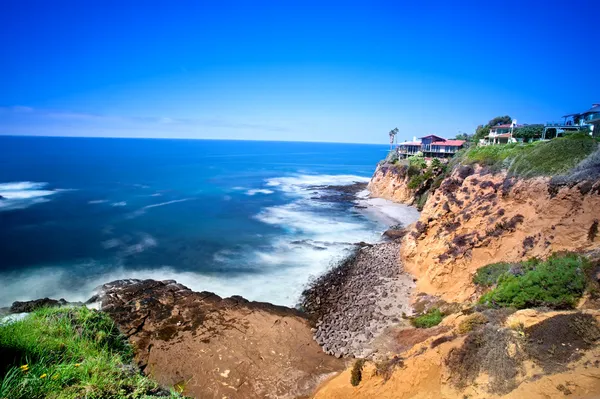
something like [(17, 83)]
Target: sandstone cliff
[(391, 182), (529, 354), (477, 218)]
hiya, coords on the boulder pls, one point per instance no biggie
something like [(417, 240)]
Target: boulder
[(30, 306), (216, 344)]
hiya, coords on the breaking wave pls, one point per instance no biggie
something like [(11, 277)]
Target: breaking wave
[(21, 195)]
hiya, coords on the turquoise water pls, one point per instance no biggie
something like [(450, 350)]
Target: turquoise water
[(233, 217)]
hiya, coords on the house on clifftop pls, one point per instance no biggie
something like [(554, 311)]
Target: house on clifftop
[(589, 119), (431, 146)]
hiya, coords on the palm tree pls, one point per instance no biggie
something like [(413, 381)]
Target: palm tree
[(393, 134)]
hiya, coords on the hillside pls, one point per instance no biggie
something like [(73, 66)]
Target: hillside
[(506, 252)]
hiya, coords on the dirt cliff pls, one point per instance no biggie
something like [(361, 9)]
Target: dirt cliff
[(477, 217), (391, 182), (210, 347), (528, 354)]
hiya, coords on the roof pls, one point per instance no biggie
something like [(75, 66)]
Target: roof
[(411, 143), (595, 108), (505, 126), (503, 135), (449, 143), (432, 135)]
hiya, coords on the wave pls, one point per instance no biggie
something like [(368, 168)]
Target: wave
[(302, 182), (21, 195), (259, 191), (97, 202), (166, 203), (120, 203)]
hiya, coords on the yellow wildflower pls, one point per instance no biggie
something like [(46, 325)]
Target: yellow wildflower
[(44, 375), (24, 367), (55, 377), (77, 364)]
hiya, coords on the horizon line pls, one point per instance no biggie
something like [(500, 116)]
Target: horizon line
[(188, 138)]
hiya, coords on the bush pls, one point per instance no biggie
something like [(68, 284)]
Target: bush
[(432, 318), (470, 322), (356, 373), (69, 353), (557, 283), (541, 158), (488, 275)]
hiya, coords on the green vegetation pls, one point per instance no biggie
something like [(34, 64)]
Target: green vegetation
[(69, 353), (419, 172), (535, 159), (431, 318), (529, 132), (557, 283), (356, 373), (488, 275)]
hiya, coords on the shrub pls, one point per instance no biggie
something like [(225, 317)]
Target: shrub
[(432, 318), (541, 158), (486, 351), (470, 322), (386, 368), (488, 275), (557, 283), (356, 373)]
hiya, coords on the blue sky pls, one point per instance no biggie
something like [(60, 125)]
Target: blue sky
[(291, 70)]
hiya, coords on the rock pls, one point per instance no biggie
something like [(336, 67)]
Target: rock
[(395, 234), (30, 306), (177, 331)]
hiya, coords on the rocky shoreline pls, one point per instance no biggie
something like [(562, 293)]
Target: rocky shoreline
[(356, 301)]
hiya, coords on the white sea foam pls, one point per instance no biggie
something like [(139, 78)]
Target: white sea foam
[(120, 203), (314, 239), (20, 195), (301, 183), (97, 202), (259, 191), (142, 210), (166, 203)]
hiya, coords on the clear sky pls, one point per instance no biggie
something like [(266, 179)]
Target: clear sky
[(292, 70)]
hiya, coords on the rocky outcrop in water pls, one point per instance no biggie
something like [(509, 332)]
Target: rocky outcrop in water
[(354, 302), (213, 347)]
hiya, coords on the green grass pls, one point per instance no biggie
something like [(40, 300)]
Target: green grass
[(488, 275), (432, 318), (541, 158), (557, 283), (69, 353)]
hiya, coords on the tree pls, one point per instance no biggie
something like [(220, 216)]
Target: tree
[(500, 120), (393, 134), (529, 132), (463, 136)]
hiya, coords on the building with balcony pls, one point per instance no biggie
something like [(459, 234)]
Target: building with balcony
[(589, 119), (431, 146), (500, 134)]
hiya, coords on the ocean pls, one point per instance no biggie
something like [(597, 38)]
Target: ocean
[(249, 218)]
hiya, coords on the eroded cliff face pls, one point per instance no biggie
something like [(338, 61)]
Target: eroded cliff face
[(213, 347), (497, 361), (477, 218), (391, 183)]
